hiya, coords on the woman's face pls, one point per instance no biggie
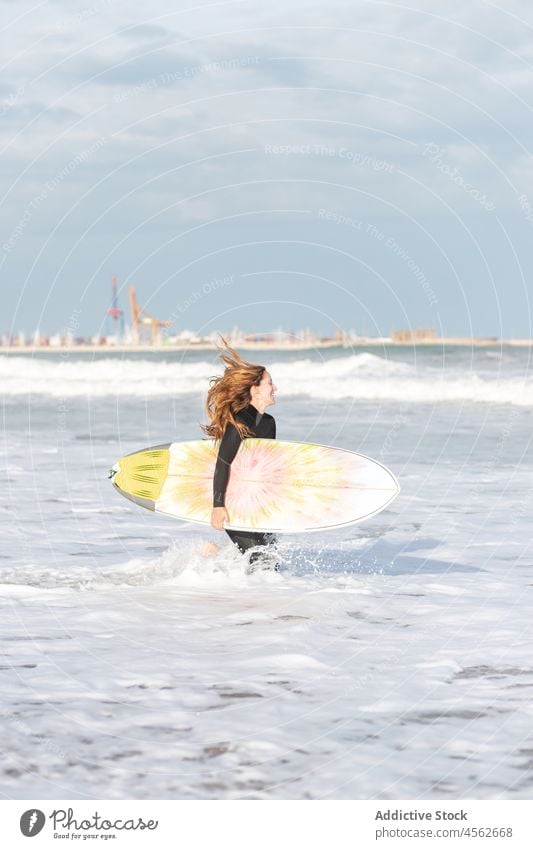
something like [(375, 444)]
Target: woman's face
[(263, 396)]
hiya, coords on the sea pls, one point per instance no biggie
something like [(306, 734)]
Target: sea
[(390, 659)]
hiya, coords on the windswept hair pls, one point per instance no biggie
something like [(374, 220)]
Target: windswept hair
[(230, 393)]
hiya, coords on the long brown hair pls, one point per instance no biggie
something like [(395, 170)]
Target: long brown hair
[(230, 393)]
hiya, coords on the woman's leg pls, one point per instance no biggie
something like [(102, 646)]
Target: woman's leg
[(250, 539)]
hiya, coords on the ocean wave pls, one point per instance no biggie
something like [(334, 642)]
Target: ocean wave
[(181, 561), (359, 377)]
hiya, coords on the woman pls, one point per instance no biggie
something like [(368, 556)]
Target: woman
[(236, 404)]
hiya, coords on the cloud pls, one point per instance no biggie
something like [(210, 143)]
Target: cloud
[(146, 32), (187, 99)]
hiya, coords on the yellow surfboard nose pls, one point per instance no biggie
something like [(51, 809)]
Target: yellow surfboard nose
[(141, 475)]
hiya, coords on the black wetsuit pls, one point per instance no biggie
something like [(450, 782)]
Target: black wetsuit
[(263, 426)]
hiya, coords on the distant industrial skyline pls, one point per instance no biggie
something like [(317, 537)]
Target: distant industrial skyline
[(363, 166)]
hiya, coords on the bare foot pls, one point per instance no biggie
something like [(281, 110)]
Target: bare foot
[(209, 549)]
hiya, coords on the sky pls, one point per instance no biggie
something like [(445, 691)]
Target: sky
[(334, 165)]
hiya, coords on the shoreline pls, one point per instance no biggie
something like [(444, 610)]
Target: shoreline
[(268, 346)]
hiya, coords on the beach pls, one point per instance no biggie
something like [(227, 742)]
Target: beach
[(387, 660), (292, 345)]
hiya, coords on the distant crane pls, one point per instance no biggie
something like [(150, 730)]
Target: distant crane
[(144, 323), (115, 316)]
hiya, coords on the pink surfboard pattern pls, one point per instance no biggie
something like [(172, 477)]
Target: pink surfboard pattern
[(276, 485)]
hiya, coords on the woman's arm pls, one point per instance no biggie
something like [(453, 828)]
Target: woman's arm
[(229, 445)]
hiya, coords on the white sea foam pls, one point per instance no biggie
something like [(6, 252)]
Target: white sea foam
[(359, 376), (182, 564)]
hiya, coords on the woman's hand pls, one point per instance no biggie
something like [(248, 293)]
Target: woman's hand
[(218, 517)]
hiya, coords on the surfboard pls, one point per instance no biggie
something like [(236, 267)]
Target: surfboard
[(274, 485)]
